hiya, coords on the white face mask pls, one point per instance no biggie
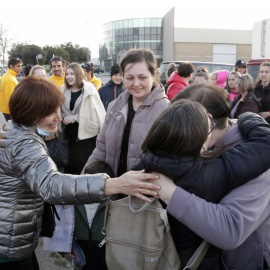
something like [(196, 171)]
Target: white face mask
[(43, 132)]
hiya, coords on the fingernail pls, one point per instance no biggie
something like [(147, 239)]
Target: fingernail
[(150, 200), (158, 187), (155, 193), (157, 176)]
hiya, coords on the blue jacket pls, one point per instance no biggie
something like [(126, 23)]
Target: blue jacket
[(109, 92)]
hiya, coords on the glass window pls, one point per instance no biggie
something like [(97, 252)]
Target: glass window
[(126, 25), (141, 37), (147, 30), (121, 24), (147, 45), (141, 30), (135, 22), (135, 31), (154, 30), (141, 22), (147, 37), (147, 22), (117, 25), (153, 37), (126, 31), (159, 30)]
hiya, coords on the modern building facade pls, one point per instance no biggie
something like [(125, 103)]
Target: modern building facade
[(171, 43), (119, 36)]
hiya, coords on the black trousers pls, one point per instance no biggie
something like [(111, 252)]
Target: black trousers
[(29, 263)]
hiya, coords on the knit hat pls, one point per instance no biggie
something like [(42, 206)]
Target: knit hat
[(240, 63), (115, 69)]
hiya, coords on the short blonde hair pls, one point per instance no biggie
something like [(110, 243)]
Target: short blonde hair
[(245, 83), (34, 68)]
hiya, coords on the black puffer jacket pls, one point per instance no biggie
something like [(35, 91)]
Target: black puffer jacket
[(263, 92), (109, 92), (213, 180)]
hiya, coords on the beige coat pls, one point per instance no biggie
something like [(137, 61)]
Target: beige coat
[(109, 140), (88, 111)]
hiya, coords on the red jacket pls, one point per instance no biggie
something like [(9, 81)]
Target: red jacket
[(176, 84)]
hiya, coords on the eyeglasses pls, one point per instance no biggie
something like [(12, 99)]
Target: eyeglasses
[(56, 59), (214, 123)]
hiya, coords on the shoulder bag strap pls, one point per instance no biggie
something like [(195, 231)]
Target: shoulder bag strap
[(198, 256)]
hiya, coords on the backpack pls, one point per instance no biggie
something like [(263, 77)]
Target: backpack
[(138, 237)]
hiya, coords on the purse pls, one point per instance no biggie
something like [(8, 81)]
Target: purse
[(138, 237), (58, 151), (48, 220)]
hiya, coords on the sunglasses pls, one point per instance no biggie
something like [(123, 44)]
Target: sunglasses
[(56, 59), (214, 123), (85, 65)]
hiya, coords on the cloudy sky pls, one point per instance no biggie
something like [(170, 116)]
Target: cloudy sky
[(51, 22)]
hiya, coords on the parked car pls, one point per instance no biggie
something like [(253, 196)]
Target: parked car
[(211, 67), (253, 67), (98, 70)]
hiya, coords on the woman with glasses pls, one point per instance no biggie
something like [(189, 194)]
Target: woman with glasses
[(175, 147), (83, 116), (89, 73)]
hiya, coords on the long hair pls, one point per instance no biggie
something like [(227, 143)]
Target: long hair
[(79, 75), (181, 130)]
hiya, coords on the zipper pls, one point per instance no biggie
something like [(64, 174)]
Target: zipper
[(117, 241)]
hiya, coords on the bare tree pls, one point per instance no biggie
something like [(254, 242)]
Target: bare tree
[(5, 42)]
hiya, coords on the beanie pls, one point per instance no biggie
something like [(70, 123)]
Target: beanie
[(115, 69)]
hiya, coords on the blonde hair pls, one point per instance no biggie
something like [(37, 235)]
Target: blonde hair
[(245, 83), (34, 68)]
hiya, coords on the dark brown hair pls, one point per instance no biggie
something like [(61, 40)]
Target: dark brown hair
[(33, 99), (185, 69), (14, 61), (212, 97), (133, 56), (181, 130)]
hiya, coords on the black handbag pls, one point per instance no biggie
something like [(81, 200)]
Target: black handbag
[(48, 220), (58, 151)]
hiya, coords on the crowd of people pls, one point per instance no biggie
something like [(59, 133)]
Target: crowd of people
[(200, 144)]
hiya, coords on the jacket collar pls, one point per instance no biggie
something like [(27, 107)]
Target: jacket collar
[(12, 72)]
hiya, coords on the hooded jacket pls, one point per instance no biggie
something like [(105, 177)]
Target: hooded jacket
[(110, 92), (176, 84), (221, 78), (239, 224), (109, 140), (29, 177), (212, 180), (88, 111), (249, 104), (8, 83), (263, 92)]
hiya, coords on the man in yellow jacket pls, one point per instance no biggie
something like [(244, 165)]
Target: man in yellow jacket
[(8, 83), (57, 66)]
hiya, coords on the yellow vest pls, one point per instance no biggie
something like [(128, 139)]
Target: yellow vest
[(57, 80), (8, 83)]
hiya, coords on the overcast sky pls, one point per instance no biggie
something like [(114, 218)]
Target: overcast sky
[(52, 22)]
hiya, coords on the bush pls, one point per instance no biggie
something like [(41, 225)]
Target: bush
[(48, 70)]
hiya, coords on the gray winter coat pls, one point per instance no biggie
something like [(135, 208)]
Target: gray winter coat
[(109, 140), (28, 176)]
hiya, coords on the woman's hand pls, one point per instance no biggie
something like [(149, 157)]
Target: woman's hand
[(66, 121), (167, 188), (133, 183), (264, 114)]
